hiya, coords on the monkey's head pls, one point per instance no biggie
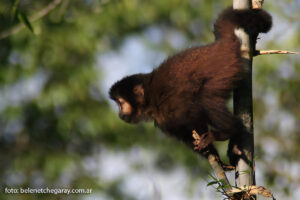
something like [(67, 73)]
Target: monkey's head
[(129, 95)]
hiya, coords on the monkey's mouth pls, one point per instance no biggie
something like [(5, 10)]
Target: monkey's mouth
[(129, 119)]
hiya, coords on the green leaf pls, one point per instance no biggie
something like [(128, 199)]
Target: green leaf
[(14, 10), (23, 18), (211, 183), (212, 177), (223, 182), (226, 186)]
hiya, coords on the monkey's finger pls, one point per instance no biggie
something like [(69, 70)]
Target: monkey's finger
[(236, 150)]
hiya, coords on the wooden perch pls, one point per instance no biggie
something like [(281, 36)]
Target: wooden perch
[(265, 52)]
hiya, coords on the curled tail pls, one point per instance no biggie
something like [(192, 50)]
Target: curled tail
[(253, 21)]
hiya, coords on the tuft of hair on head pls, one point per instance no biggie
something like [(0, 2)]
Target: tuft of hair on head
[(130, 88)]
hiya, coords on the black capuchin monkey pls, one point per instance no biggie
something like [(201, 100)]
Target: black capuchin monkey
[(189, 90)]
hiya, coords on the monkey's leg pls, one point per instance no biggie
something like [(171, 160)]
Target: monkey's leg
[(225, 124), (230, 127)]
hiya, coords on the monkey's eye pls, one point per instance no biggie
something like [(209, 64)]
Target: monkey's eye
[(121, 101), (119, 106)]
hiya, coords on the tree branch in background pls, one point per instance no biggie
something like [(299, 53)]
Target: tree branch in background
[(33, 18)]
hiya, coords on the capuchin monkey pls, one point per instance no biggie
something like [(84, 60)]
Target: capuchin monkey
[(189, 90)]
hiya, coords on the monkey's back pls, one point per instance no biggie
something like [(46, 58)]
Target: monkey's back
[(187, 83), (190, 89)]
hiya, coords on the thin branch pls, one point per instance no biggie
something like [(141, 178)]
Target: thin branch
[(218, 169), (266, 52), (33, 18), (214, 162)]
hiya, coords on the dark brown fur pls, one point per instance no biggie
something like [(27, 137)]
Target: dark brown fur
[(189, 90)]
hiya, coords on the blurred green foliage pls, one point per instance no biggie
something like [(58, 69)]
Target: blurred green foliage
[(54, 114)]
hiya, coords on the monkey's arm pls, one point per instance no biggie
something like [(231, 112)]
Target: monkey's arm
[(218, 136)]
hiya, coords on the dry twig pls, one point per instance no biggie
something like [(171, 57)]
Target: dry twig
[(248, 192), (265, 52)]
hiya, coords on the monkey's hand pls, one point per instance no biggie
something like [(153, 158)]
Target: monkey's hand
[(202, 141)]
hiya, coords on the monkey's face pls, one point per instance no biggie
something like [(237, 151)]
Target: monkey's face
[(127, 112), (128, 93)]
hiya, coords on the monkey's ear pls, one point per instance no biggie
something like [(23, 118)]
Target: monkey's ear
[(138, 90)]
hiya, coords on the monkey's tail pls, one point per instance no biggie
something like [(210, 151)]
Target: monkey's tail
[(252, 21)]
